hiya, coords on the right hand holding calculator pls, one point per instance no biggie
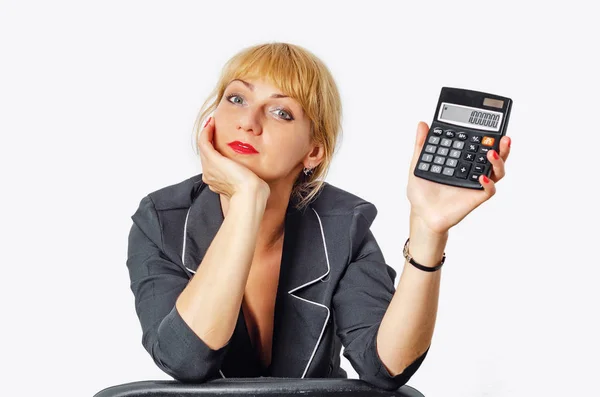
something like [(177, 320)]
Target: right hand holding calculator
[(466, 125)]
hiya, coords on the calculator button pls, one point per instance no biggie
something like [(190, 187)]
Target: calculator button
[(458, 145), (455, 153), (427, 157), (463, 170), (462, 136), (430, 149), (449, 134), (451, 162), (476, 139), (448, 171), (443, 151), (469, 156), (436, 168), (437, 131), (474, 177), (479, 168), (473, 147), (484, 149), (434, 139), (446, 142), (439, 160), (423, 166), (488, 141), (482, 160)]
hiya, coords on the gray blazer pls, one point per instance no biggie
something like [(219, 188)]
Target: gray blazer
[(334, 288)]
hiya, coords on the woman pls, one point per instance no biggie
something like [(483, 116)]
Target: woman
[(257, 267)]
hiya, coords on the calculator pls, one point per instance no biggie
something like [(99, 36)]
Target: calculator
[(466, 125)]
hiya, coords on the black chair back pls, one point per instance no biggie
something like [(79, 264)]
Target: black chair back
[(262, 386)]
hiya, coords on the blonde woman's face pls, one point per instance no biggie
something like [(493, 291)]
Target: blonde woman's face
[(260, 128)]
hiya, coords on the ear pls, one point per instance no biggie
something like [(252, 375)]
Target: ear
[(315, 156)]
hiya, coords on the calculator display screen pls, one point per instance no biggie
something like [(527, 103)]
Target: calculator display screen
[(470, 117)]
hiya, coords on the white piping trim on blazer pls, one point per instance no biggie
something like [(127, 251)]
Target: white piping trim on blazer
[(183, 257), (315, 303), (183, 249), (324, 245), (322, 278)]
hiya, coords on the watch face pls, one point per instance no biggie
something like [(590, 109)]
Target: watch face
[(405, 250)]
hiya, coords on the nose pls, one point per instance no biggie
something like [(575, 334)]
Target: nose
[(250, 121)]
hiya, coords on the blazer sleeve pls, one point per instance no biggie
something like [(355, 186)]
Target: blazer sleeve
[(156, 283), (360, 301)]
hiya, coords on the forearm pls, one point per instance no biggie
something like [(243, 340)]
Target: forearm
[(407, 327), (211, 301)]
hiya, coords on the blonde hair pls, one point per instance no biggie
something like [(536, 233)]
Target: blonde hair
[(305, 78)]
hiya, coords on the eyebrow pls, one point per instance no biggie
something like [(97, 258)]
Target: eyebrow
[(251, 87)]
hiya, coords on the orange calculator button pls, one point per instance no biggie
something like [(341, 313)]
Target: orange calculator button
[(487, 141)]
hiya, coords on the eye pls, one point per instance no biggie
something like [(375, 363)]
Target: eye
[(233, 96), (286, 114), (287, 117)]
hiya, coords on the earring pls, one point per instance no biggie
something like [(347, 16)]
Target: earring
[(308, 171)]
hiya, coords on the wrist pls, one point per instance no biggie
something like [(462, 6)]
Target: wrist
[(250, 197), (257, 190), (426, 246), (418, 225)]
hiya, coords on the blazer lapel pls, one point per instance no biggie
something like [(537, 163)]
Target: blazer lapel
[(301, 309), (203, 220), (301, 312)]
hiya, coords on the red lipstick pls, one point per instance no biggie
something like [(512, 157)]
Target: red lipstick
[(242, 147)]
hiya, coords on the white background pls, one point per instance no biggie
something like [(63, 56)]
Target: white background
[(97, 103)]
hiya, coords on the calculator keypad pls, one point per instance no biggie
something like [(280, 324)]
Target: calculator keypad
[(427, 158), (458, 145), (456, 154), (463, 171), (439, 160), (448, 171)]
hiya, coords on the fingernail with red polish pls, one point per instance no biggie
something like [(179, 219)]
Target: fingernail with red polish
[(495, 155), (485, 179), (207, 121), (509, 142)]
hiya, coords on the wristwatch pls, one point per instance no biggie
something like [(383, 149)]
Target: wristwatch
[(410, 259)]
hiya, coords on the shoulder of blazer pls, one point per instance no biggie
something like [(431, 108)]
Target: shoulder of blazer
[(331, 200), (178, 195)]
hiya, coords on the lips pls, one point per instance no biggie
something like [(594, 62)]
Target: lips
[(242, 147)]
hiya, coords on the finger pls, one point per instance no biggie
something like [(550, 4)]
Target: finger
[(205, 146), (498, 170), (206, 137), (504, 147), (422, 130), (489, 188), (210, 129)]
